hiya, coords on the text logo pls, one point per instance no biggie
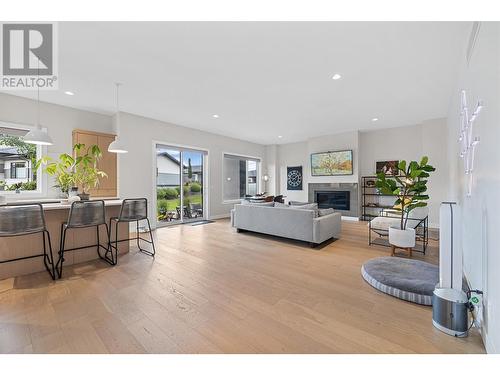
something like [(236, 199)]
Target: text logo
[(29, 58)]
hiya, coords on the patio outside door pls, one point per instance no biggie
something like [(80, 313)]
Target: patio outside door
[(179, 185)]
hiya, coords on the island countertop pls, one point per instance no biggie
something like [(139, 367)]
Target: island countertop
[(56, 204), (55, 214)]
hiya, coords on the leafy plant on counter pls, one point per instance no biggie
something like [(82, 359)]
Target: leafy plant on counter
[(87, 175), (78, 170)]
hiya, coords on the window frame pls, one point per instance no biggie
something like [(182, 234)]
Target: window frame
[(41, 178), (257, 159)]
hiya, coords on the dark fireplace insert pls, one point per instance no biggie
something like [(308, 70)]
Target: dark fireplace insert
[(339, 200)]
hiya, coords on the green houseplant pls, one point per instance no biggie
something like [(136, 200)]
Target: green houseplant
[(78, 170), (410, 187), (87, 175)]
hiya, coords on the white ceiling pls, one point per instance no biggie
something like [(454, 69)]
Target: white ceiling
[(263, 79)]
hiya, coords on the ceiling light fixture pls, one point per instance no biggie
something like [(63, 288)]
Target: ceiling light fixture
[(375, 119), (280, 136), (117, 146), (70, 93), (38, 136), (215, 116), (336, 76)]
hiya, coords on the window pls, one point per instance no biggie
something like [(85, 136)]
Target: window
[(16, 161), (240, 177)]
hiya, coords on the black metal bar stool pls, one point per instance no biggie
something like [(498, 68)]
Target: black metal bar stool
[(85, 214), (23, 220), (132, 210)]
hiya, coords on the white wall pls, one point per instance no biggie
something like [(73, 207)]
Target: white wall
[(411, 143), (408, 142), (480, 212), (136, 167), (59, 121), (299, 154)]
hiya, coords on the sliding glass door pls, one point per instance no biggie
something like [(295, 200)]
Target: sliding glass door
[(179, 185)]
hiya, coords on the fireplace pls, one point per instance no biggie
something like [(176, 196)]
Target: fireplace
[(336, 199)]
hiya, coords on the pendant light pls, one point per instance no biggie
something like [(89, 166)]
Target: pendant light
[(117, 146), (38, 136)]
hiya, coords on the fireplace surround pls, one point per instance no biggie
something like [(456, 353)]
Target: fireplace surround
[(342, 197)]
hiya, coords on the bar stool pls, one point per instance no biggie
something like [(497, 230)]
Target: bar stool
[(132, 210), (85, 214), (23, 220)]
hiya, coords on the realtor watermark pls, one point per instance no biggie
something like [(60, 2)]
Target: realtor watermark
[(29, 56)]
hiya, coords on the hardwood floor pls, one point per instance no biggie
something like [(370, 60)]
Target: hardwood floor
[(212, 290)]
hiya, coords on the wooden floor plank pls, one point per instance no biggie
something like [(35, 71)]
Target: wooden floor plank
[(212, 290)]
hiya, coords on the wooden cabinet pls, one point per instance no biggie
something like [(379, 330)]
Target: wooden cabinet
[(108, 162)]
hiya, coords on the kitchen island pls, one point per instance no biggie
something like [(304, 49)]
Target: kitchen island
[(55, 214)]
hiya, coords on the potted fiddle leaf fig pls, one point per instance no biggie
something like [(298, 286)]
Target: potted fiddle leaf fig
[(87, 175), (409, 186)]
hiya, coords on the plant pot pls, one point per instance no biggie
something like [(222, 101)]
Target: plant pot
[(84, 196), (73, 192), (404, 238)]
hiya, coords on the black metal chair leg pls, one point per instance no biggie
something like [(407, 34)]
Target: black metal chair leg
[(109, 250), (151, 236), (48, 258), (59, 265), (137, 235)]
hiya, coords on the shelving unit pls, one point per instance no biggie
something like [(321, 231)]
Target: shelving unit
[(370, 199)]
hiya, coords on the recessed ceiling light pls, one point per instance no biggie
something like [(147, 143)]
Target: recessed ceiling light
[(70, 93), (215, 116), (375, 119), (336, 76), (280, 136)]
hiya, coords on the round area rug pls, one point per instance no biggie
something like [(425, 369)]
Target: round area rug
[(406, 279)]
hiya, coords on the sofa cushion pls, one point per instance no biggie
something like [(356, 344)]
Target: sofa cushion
[(325, 211), (309, 206), (262, 204), (281, 205)]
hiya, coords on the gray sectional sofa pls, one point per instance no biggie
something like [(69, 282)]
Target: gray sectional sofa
[(290, 222)]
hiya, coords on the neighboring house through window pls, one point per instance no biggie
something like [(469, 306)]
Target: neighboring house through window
[(16, 161)]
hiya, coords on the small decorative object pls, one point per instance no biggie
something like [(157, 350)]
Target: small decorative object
[(389, 167), (370, 183), (294, 178), (332, 163), (409, 185), (468, 143)]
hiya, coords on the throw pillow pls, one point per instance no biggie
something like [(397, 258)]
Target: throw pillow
[(325, 211), (297, 203), (309, 206)]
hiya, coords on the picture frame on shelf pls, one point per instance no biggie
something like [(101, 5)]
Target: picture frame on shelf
[(388, 167)]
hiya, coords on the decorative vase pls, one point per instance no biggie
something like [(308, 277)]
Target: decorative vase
[(403, 238)]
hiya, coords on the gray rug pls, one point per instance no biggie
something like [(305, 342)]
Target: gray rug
[(406, 279)]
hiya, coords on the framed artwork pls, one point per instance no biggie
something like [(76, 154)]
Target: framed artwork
[(331, 163), (294, 178), (389, 167)]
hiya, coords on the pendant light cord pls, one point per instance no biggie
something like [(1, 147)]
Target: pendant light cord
[(38, 126), (117, 108)]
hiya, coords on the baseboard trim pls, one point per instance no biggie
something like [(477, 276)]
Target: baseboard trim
[(221, 216), (350, 218)]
